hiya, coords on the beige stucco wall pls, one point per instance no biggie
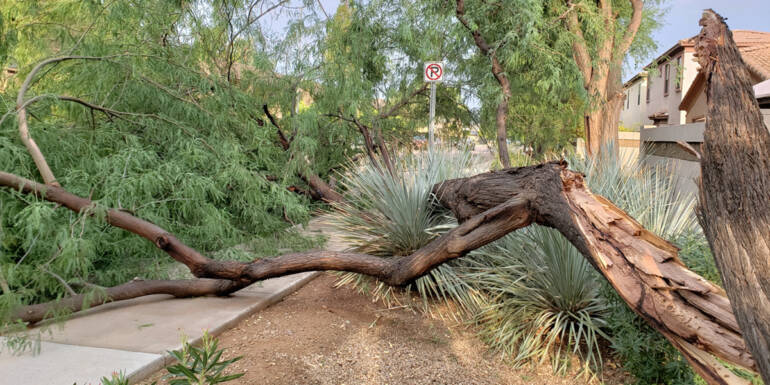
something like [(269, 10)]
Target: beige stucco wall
[(635, 116), (670, 103)]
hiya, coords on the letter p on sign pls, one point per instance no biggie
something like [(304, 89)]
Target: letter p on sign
[(433, 71)]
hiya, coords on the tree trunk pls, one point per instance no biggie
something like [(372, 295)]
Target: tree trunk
[(502, 132), (735, 188), (602, 74), (645, 270), (499, 74)]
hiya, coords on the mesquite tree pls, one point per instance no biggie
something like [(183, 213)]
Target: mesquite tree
[(603, 32)]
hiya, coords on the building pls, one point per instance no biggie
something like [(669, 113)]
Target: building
[(669, 90)]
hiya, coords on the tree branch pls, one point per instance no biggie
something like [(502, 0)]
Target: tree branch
[(579, 47), (499, 74), (633, 26), (401, 103), (133, 289), (285, 143)]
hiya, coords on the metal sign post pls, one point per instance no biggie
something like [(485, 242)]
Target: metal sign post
[(432, 113), (433, 73)]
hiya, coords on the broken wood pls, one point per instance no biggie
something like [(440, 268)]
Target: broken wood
[(691, 312), (734, 206)]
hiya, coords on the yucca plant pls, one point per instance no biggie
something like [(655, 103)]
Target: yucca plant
[(542, 298), (394, 215)]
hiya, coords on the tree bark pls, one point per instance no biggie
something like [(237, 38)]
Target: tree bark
[(501, 114), (133, 289), (645, 270), (735, 188)]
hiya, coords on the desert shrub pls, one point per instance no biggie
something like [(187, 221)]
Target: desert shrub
[(394, 215), (542, 299)]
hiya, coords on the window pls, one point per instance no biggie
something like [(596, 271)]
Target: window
[(649, 84), (639, 94), (678, 82), (666, 79)]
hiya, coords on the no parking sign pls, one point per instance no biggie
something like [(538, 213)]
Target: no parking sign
[(433, 71)]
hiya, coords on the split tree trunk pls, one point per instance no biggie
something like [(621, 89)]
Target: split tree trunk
[(735, 188), (691, 312)]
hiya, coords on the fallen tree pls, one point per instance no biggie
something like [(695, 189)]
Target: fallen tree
[(692, 313)]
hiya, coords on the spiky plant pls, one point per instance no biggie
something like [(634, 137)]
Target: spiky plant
[(394, 215), (542, 298)]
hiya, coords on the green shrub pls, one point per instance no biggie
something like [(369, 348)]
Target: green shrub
[(542, 298)]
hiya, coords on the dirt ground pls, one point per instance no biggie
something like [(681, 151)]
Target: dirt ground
[(326, 335)]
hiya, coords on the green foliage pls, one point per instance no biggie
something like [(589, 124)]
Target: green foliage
[(373, 56), (116, 378), (185, 150), (201, 365)]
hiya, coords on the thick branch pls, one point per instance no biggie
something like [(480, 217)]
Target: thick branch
[(579, 47), (488, 226), (132, 289), (633, 26)]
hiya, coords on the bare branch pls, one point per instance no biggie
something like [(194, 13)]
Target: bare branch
[(285, 143), (32, 148)]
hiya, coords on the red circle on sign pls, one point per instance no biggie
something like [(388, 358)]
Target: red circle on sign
[(433, 71)]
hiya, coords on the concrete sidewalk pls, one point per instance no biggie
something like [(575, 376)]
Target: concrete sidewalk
[(135, 335)]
